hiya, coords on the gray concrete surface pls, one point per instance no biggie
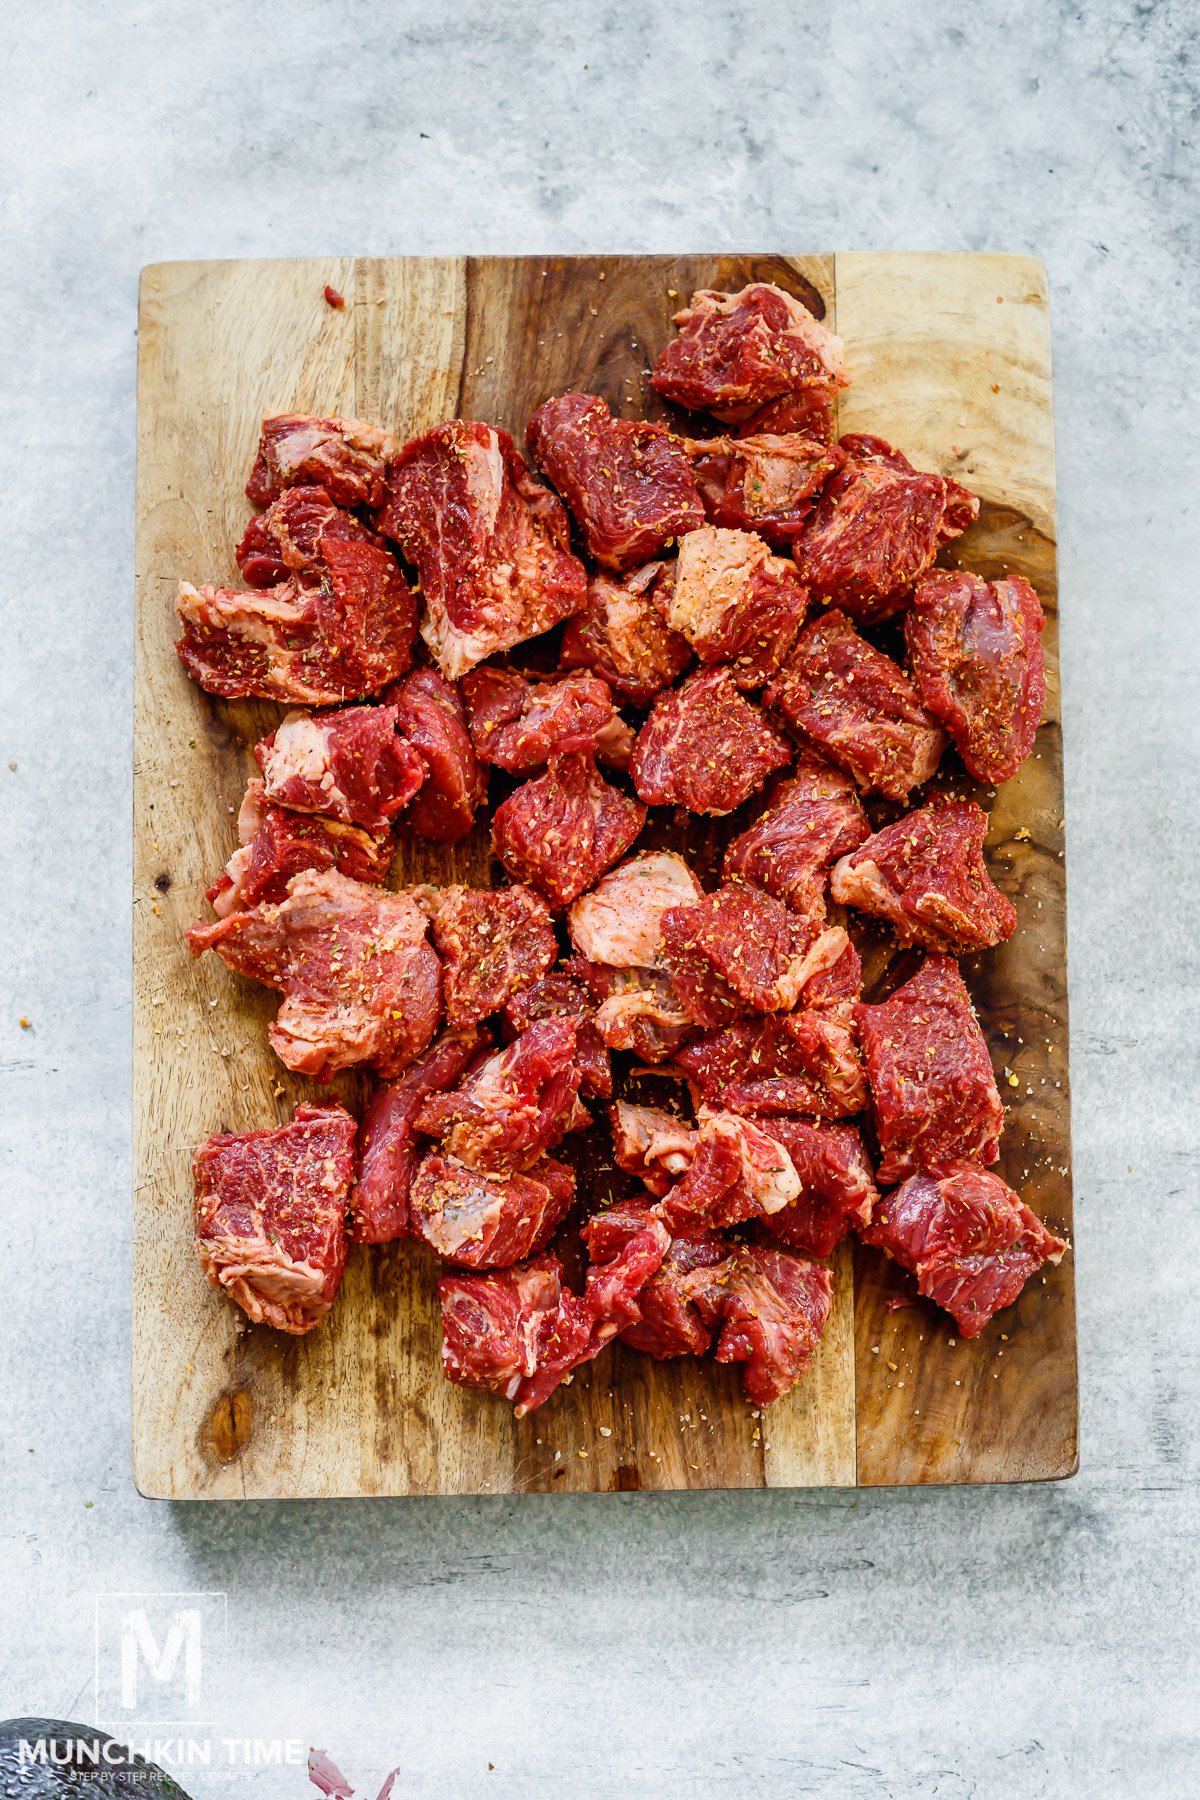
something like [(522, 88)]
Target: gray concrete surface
[(1025, 1642)]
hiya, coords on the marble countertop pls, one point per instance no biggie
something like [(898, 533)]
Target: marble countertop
[(1030, 1640)]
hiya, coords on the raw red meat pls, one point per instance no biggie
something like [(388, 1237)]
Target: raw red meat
[(976, 653), (739, 1170), (620, 921), (431, 716), (705, 747), (559, 995), (346, 456), (801, 1062), (628, 483), (652, 1144), (360, 982), (738, 951), (810, 412), (837, 1189), (636, 1009), (340, 624), (562, 830), (877, 528), (691, 1274), (277, 844), (520, 724), (487, 1221), (621, 637), (734, 352), (351, 765), (766, 483), (492, 942), (810, 820), (388, 1149), (734, 602), (773, 1311), (515, 1106), (858, 708), (490, 544), (926, 874), (933, 1093), (270, 1216), (969, 1239)]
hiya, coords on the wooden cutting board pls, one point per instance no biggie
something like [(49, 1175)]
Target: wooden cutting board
[(950, 359)]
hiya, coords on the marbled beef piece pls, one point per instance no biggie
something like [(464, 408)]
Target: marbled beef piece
[(926, 875), (490, 544), (652, 1144), (705, 747), (810, 413), (513, 1107), (738, 951), (492, 942), (339, 626), (969, 1239), (347, 457), (837, 1188), (734, 602), (619, 922), (620, 634), (559, 995), (522, 724), (360, 982), (270, 1216), (351, 765), (933, 1094), (858, 708), (388, 1148), (773, 1309), (877, 528), (767, 483), (737, 351), (810, 819), (739, 1170), (976, 653), (636, 1009), (628, 484), (802, 1062), (488, 1221), (276, 844), (562, 830), (430, 714)]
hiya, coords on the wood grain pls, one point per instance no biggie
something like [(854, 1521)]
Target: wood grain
[(223, 1409)]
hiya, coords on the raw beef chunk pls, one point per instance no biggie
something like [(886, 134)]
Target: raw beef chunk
[(651, 1144), (340, 626), (271, 1216), (933, 1093), (563, 830), (621, 637), (773, 1312), (801, 1062), (970, 1241), (976, 653), (489, 544), (636, 1009), (620, 921), (431, 716), (926, 874), (360, 982), (689, 1277), (513, 1107), (520, 724), (559, 995), (766, 483), (858, 708), (837, 1189), (810, 820), (345, 456), (492, 942), (388, 1149), (351, 765), (276, 844), (519, 1332), (739, 951), (734, 602), (487, 1221), (738, 1171), (734, 352), (705, 747), (810, 412), (877, 528), (629, 484)]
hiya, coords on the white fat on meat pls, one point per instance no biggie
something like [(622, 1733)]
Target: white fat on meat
[(713, 572), (620, 921), (768, 1171)]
